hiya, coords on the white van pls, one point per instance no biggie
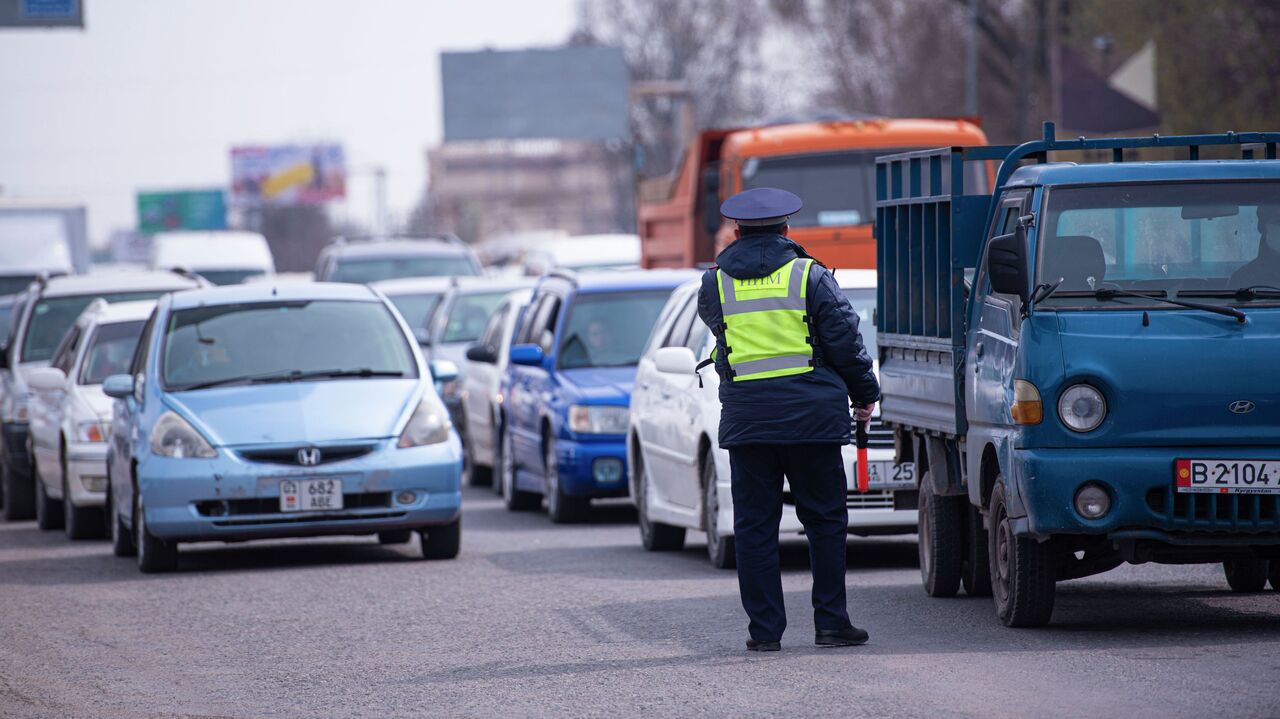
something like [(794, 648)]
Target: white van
[(224, 257)]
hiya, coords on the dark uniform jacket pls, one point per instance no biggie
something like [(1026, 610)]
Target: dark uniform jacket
[(809, 407)]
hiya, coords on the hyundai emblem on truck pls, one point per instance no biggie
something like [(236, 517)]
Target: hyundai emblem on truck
[(1241, 406), (309, 456)]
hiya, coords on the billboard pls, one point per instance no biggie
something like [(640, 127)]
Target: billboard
[(182, 210), (41, 13), (571, 93), (284, 175)]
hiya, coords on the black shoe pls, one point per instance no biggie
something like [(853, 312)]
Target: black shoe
[(850, 636), (754, 645)]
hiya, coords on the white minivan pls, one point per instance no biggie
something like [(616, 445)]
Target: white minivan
[(223, 257), (680, 475)]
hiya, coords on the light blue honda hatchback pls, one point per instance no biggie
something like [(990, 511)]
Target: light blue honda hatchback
[(293, 410)]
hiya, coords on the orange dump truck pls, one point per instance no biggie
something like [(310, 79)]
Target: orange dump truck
[(830, 165)]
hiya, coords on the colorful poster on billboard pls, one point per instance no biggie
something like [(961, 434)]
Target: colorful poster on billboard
[(287, 174), (182, 210)]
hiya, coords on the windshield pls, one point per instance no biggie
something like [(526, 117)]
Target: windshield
[(469, 315), (392, 268), (238, 344), (1160, 238), (53, 316), (229, 277), (837, 188), (110, 351), (609, 329), (864, 303), (417, 308)]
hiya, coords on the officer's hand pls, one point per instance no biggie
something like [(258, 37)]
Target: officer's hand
[(863, 414)]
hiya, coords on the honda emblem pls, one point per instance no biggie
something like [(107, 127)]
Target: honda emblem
[(309, 456)]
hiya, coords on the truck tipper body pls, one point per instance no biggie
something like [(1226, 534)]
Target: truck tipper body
[(40, 238), (1081, 362)]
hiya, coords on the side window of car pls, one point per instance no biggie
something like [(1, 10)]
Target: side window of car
[(697, 334), (144, 344), (65, 354), (679, 333), (527, 320), (492, 335), (547, 323)]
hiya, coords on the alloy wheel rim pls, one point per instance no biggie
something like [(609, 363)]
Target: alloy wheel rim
[(925, 539), (1003, 547)]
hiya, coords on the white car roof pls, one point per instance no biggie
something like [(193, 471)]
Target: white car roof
[(111, 313), (100, 282), (856, 279), (211, 250)]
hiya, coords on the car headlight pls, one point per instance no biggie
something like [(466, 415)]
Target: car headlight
[(1082, 407), (595, 419), (91, 432), (429, 424), (173, 436)]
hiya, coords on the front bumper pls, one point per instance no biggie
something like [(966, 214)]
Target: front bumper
[(1144, 503), (87, 474), (228, 498), (595, 467)]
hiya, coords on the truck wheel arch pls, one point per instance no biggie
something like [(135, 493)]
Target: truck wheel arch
[(990, 471)]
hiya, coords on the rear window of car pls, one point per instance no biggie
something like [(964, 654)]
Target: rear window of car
[(110, 351), (416, 308), (469, 315), (53, 316), (394, 268)]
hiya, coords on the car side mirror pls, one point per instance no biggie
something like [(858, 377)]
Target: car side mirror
[(1007, 263), (443, 371), (480, 352), (47, 379), (675, 360), (423, 335), (119, 386), (527, 355)]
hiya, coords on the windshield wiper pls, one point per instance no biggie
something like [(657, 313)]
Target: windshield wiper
[(289, 376), (1242, 294), (1110, 293)]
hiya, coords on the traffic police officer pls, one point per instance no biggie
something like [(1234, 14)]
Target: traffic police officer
[(790, 359)]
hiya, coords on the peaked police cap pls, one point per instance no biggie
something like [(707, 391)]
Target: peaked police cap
[(761, 206)]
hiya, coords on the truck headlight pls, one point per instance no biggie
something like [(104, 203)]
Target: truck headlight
[(429, 424), (1082, 407), (91, 432), (596, 419), (174, 437)]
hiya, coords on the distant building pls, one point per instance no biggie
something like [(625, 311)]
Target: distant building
[(481, 189)]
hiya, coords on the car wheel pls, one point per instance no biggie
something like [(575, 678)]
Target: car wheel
[(941, 539), (1023, 575), (976, 575), (399, 536), (562, 508), (655, 536), (476, 475), (720, 549), (19, 497), (496, 470), (80, 522), (1246, 575), (154, 555), (442, 541), (121, 539), (515, 499), (48, 509)]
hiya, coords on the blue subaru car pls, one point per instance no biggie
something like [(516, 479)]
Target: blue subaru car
[(291, 410), (567, 392)]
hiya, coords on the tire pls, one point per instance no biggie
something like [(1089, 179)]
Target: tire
[(48, 509), (720, 549), (19, 497), (496, 470), (399, 536), (1273, 575), (976, 574), (941, 540), (1246, 575), (474, 474), (515, 499), (80, 522), (121, 537), (1024, 578), (654, 536), (154, 555), (562, 508), (442, 541)]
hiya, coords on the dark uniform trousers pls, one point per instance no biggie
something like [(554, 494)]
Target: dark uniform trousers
[(817, 478)]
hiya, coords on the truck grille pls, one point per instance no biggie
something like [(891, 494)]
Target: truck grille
[(879, 435), (869, 500), (1216, 512)]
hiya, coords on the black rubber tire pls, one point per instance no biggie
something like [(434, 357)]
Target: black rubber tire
[(516, 500), (442, 541), (399, 536), (976, 575), (941, 540), (80, 522), (154, 555), (19, 494), (1023, 574), (1246, 575), (654, 536), (120, 536), (496, 470), (48, 509), (474, 474), (1273, 575), (562, 508), (720, 549)]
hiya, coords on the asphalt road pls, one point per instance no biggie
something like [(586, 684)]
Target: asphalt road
[(542, 620)]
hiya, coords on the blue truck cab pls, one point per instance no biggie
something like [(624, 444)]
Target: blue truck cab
[(567, 391), (1082, 362)]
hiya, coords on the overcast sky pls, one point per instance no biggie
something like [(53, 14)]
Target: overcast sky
[(153, 93)]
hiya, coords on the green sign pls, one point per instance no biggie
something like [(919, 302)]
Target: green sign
[(182, 210)]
